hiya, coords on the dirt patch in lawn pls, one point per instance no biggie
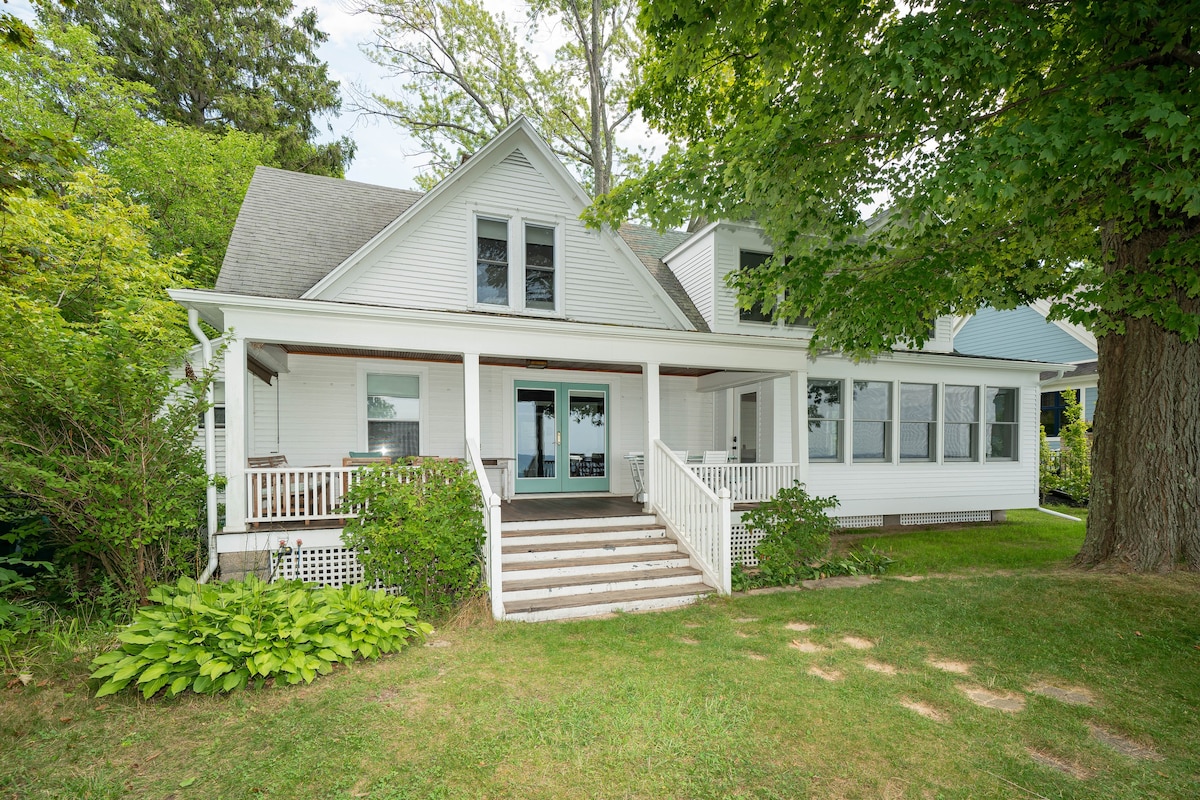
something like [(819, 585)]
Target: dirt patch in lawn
[(957, 667), (1124, 746), (1072, 695), (825, 675), (1056, 763), (805, 646), (988, 699), (857, 643), (924, 709), (799, 627), (880, 667)]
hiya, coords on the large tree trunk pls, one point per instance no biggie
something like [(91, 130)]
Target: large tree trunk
[(1145, 496)]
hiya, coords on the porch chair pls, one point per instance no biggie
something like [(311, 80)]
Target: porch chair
[(682, 454), (716, 457)]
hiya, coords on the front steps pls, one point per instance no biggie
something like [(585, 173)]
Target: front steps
[(564, 569)]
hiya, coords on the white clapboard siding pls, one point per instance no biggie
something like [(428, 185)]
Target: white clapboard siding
[(694, 266), (687, 415), (432, 264)]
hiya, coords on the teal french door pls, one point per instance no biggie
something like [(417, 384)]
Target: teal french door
[(562, 437)]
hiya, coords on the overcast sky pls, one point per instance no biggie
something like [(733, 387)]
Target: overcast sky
[(385, 154)]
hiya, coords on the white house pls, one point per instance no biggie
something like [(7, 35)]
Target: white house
[(483, 321)]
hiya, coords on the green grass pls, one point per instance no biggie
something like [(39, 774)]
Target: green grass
[(1028, 540), (631, 707)]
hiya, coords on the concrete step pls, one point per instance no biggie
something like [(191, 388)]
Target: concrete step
[(554, 551), (621, 562), (595, 583), (590, 605)]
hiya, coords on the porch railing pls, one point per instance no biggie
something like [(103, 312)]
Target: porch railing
[(491, 526), (303, 494), (748, 483), (697, 515)]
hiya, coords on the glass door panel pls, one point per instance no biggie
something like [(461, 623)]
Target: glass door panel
[(587, 438), (537, 439), (748, 428)]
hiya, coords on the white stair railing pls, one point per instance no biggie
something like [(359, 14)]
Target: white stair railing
[(491, 526), (748, 483), (699, 517)]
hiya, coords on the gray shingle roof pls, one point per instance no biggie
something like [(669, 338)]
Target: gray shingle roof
[(294, 229), (650, 246), (1083, 370)]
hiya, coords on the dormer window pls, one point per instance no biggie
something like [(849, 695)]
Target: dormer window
[(491, 266), (751, 260)]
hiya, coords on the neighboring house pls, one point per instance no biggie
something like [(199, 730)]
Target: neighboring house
[(1026, 333), (483, 321)]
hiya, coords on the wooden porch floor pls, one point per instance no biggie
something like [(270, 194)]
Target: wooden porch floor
[(530, 509)]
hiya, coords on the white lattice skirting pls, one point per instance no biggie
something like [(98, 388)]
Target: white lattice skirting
[(329, 566), (943, 517)]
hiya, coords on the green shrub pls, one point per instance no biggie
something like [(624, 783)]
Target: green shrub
[(1048, 477), (1075, 463), (222, 636), (797, 530), (420, 528)]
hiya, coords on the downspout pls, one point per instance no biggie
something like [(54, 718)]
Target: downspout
[(210, 446)]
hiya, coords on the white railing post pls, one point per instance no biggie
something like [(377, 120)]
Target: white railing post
[(493, 567), (725, 540)]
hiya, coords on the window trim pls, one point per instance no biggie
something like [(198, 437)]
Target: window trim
[(476, 218), (932, 425), (516, 225), (976, 423), (889, 434), (1015, 424), (840, 457), (420, 372)]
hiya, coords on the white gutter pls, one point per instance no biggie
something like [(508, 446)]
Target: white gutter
[(210, 446)]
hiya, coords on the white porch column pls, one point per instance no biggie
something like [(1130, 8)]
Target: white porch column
[(799, 386), (651, 392), (472, 427), (235, 434)]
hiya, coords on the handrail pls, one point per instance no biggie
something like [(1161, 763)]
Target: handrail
[(301, 494), (699, 517), (491, 527)]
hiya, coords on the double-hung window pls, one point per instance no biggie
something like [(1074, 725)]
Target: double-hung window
[(962, 423), (918, 422), (825, 416), (539, 267), (750, 260), (218, 407), (491, 263), (394, 415), (872, 421), (1001, 424)]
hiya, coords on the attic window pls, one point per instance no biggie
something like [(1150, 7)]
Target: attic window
[(539, 267), (491, 271)]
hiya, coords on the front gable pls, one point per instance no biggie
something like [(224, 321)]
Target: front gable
[(429, 256)]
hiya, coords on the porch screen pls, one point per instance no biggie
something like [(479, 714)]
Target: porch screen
[(393, 415)]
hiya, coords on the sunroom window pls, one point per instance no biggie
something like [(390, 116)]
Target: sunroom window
[(539, 267), (491, 265), (872, 421), (962, 423), (394, 415), (918, 421), (1002, 424), (825, 416)]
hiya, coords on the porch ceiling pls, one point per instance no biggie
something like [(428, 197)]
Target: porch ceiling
[(493, 361)]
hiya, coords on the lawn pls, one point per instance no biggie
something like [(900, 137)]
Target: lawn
[(714, 701)]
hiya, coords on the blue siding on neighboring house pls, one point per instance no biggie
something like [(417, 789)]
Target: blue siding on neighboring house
[(1019, 333), (1089, 403)]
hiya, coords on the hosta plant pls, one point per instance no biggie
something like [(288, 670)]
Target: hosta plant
[(223, 636)]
